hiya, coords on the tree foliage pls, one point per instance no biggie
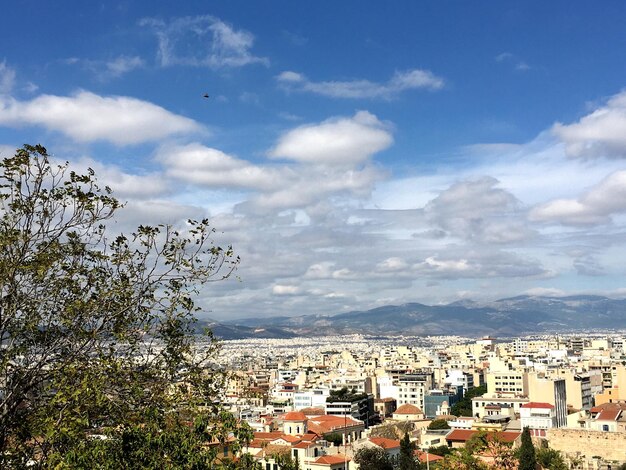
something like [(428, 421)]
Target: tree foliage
[(526, 452), (392, 430), (97, 354), (550, 459), (373, 458), (438, 424), (407, 459), (464, 406), (441, 450)]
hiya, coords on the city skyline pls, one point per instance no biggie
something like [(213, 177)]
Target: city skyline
[(354, 156)]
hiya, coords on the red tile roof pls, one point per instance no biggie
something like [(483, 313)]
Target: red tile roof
[(332, 459), (425, 456), (534, 404), (408, 409), (327, 423), (385, 443), (608, 415), (295, 416)]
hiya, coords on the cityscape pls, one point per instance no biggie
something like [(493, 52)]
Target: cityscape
[(568, 390), (284, 235)]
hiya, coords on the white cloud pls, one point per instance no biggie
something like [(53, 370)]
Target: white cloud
[(87, 117), (7, 78), (517, 63), (545, 291), (202, 165), (278, 289), (477, 209), (599, 134), (202, 41), (475, 264), (123, 64), (392, 264), (401, 81), (340, 142), (113, 68), (126, 185), (595, 206)]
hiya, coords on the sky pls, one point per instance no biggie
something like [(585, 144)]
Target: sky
[(354, 154)]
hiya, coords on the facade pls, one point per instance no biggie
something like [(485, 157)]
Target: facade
[(436, 401), (538, 417), (313, 398), (412, 389)]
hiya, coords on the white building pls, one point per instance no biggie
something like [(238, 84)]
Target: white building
[(538, 417)]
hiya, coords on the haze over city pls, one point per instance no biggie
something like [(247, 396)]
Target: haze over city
[(355, 154)]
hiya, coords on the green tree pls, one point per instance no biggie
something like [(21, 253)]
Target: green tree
[(464, 406), (286, 462), (461, 459), (373, 458), (550, 459), (407, 459), (526, 453), (97, 353), (438, 424), (334, 438), (442, 450)]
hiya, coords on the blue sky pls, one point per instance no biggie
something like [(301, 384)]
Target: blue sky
[(354, 153)]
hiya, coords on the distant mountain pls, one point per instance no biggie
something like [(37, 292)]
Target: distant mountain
[(512, 316), (227, 331)]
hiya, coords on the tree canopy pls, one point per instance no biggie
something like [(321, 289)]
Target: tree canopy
[(97, 355)]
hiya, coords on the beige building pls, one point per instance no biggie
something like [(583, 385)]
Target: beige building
[(509, 382)]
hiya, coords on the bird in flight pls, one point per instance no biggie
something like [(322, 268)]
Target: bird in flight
[(206, 95)]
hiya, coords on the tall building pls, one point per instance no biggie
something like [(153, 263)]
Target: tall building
[(412, 389), (552, 391)]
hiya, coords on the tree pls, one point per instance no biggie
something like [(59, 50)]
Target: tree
[(96, 346), (407, 459), (438, 424), (286, 462), (441, 450), (550, 459), (526, 453), (392, 430), (334, 437), (373, 458), (464, 406), (461, 459)]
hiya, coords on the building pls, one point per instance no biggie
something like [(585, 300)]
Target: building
[(549, 390), (438, 401), (413, 388), (538, 417)]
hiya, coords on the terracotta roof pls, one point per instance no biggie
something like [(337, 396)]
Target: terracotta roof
[(385, 443), (534, 404), (267, 436), (332, 459), (327, 423), (463, 435), (407, 409), (608, 406), (295, 416), (425, 456), (608, 415), (304, 445)]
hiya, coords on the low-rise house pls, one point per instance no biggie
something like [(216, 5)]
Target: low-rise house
[(459, 437), (408, 412)]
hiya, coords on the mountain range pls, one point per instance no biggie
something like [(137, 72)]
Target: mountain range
[(514, 316)]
